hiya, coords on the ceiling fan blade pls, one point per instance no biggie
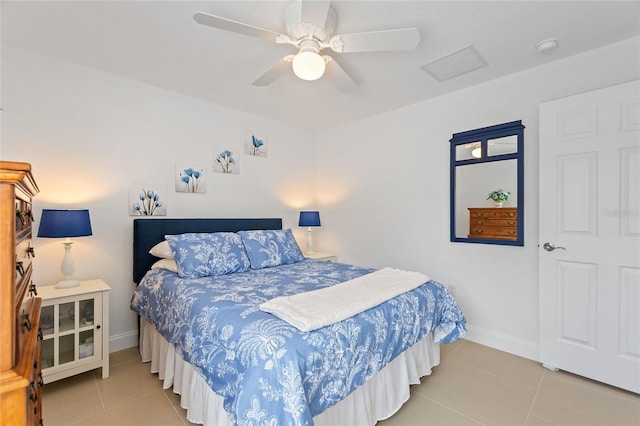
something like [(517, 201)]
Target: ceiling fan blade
[(234, 26), (278, 69), (315, 12), (338, 76), (376, 41)]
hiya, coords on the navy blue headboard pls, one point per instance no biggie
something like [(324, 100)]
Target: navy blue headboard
[(148, 232)]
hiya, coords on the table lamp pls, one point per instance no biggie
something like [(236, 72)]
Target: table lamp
[(309, 219), (65, 224)]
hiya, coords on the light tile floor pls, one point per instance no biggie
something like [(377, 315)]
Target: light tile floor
[(473, 385)]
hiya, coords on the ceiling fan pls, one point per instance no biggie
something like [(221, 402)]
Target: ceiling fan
[(310, 26)]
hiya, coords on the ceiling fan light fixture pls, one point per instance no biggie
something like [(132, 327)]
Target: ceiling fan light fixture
[(308, 64), (310, 26)]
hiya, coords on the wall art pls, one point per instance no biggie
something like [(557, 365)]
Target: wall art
[(147, 199), (225, 160), (190, 178), (255, 144)]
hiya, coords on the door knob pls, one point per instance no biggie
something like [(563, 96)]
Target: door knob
[(551, 247)]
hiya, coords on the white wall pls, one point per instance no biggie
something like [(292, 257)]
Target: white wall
[(382, 184), (383, 191), (89, 134)]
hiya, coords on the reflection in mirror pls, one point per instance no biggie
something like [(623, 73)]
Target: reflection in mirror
[(500, 146), (468, 151), (474, 182), (483, 161)]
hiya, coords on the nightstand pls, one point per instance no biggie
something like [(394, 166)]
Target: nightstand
[(324, 257), (75, 329)]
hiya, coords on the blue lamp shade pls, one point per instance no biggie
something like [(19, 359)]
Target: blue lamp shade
[(309, 219), (64, 223)]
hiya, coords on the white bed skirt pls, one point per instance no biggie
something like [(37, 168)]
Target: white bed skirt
[(379, 398)]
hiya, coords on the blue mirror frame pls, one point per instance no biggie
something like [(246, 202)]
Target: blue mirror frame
[(483, 136)]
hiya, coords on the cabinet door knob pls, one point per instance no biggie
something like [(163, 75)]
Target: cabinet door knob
[(98, 327)]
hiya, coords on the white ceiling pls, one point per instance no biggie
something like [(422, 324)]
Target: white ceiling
[(159, 43)]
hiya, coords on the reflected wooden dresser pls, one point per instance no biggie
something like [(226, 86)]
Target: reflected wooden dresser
[(495, 223), (20, 339)]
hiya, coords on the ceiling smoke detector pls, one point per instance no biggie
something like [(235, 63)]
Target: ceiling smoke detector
[(547, 46)]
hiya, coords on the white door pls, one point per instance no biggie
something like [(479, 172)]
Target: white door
[(590, 205)]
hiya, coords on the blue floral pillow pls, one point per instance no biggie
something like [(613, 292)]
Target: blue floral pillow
[(271, 248), (202, 255)]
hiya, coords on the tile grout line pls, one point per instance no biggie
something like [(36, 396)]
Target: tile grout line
[(491, 373), (535, 397), (173, 407), (95, 382), (496, 376), (453, 409), (137, 396), (533, 400), (462, 342)]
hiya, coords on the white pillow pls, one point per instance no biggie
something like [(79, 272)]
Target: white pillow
[(168, 264), (162, 250)]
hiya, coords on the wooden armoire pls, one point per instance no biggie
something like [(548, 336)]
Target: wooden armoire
[(20, 339)]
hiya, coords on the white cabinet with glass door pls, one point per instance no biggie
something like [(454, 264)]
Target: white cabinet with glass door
[(75, 329)]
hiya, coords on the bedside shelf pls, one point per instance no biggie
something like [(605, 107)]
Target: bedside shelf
[(75, 329), (325, 257)]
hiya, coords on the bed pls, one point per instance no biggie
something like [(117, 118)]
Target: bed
[(206, 334)]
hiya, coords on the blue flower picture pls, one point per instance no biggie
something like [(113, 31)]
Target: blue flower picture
[(255, 144), (147, 200), (190, 178), (225, 160)]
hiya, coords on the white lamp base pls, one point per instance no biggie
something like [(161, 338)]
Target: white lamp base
[(309, 240), (67, 267), (68, 284)]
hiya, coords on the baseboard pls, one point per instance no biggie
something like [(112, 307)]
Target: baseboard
[(123, 341), (524, 348)]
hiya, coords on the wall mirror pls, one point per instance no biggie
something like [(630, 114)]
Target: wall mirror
[(484, 161)]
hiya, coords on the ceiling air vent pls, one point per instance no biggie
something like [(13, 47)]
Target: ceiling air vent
[(456, 63)]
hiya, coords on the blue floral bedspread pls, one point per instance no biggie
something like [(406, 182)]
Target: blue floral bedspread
[(269, 372)]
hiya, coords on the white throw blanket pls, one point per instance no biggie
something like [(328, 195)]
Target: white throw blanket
[(318, 308)]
